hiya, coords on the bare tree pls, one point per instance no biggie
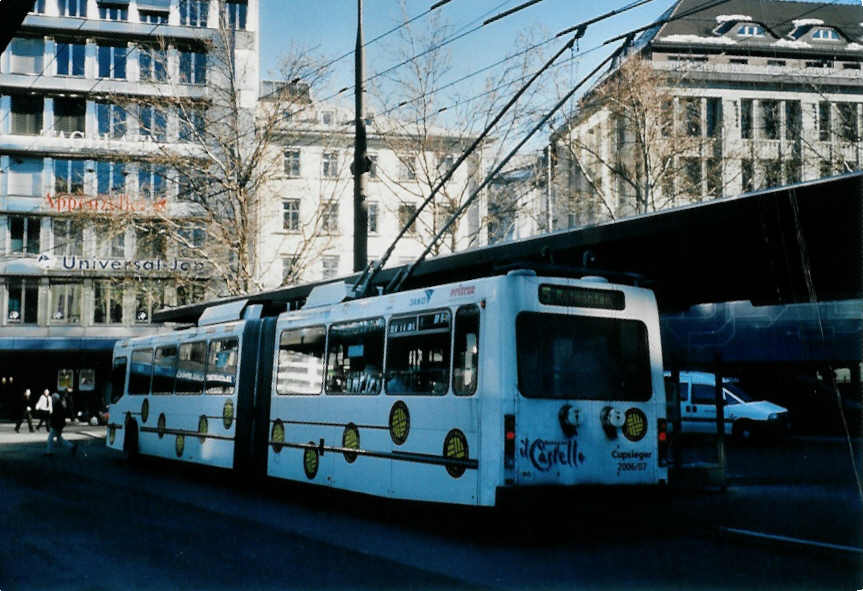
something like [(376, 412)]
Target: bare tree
[(429, 129)]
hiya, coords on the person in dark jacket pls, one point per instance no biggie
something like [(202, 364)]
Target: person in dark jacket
[(56, 422), (22, 411)]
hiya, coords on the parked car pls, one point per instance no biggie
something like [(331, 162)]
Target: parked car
[(745, 418)]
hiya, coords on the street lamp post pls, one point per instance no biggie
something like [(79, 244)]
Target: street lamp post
[(361, 164)]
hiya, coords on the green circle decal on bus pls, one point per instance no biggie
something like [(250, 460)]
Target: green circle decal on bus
[(455, 447), (145, 410), (351, 440), (203, 426), (635, 424), (400, 422), (160, 425), (228, 414), (310, 461), (278, 436), (180, 444)]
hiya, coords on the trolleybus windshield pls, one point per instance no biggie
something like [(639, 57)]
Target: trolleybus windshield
[(580, 357)]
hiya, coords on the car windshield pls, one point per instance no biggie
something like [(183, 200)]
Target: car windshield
[(734, 395)]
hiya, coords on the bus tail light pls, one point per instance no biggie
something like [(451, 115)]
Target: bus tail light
[(509, 441), (662, 437)]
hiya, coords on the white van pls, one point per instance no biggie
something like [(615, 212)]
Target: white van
[(744, 417)]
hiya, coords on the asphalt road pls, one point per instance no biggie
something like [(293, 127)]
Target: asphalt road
[(93, 523)]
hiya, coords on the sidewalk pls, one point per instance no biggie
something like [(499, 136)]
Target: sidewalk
[(72, 432)]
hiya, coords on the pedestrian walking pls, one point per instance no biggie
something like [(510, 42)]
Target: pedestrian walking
[(22, 411), (43, 409), (57, 422)]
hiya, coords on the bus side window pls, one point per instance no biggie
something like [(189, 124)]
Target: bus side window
[(190, 368), (418, 353), (164, 369), (141, 371), (301, 361), (466, 352), (118, 378), (355, 357), (222, 366)]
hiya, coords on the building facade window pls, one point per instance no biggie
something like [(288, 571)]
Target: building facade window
[(849, 129), (824, 124), (23, 306), (70, 115), (330, 165), (65, 302), (26, 114), (68, 176), (110, 241), (38, 7), (193, 13), (192, 125), (26, 55), (292, 162), (72, 7), (746, 119), (291, 215), (149, 297), (68, 237), (151, 181), (713, 117), (373, 217), (113, 12), (153, 17), (110, 178), (25, 176), (826, 35), (692, 116), (111, 119), (112, 61), (330, 217), (770, 119), (406, 212), (191, 239), (70, 58), (373, 166), (406, 167), (150, 241), (235, 13), (329, 266), (747, 176), (107, 302), (152, 123), (193, 67), (793, 120), (190, 293), (750, 31), (24, 234), (152, 64)]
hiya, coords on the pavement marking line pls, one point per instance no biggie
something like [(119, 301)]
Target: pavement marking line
[(790, 540)]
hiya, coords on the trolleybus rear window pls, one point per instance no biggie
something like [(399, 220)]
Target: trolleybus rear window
[(466, 353), (580, 357)]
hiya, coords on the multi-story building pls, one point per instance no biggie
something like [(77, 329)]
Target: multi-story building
[(75, 120), (745, 95), (306, 230)]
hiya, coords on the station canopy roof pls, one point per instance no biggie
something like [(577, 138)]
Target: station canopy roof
[(800, 243)]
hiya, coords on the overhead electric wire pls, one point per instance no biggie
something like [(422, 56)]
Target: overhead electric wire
[(399, 279)]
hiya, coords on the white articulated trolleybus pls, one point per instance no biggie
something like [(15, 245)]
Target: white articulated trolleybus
[(504, 368), (446, 393)]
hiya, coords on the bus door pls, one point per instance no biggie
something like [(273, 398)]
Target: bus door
[(585, 411)]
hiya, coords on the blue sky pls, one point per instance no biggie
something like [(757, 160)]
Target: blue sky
[(329, 27)]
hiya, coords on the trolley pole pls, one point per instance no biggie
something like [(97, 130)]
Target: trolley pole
[(361, 164)]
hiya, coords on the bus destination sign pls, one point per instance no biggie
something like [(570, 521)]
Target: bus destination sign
[(581, 297)]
